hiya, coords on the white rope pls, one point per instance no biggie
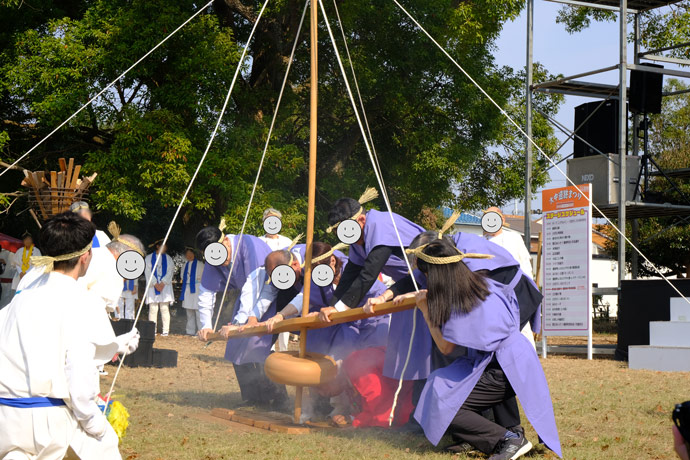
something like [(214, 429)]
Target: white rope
[(106, 88), (388, 206), (189, 187), (359, 95), (261, 164), (513, 122)]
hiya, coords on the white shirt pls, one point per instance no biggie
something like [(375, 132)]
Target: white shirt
[(102, 238), (513, 243), (166, 295), (102, 277), (17, 263), (191, 300), (276, 244), (256, 296), (45, 348)]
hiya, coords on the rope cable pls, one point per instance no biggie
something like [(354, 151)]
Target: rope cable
[(186, 193)]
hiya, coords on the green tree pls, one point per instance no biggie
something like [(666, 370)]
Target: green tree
[(145, 137)]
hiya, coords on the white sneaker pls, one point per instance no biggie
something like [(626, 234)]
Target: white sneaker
[(164, 334)]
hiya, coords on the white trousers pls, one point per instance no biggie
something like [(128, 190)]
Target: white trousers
[(165, 314), (85, 447), (42, 433), (193, 321), (126, 306), (283, 341)]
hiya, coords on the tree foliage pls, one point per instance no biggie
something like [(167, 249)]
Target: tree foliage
[(434, 132)]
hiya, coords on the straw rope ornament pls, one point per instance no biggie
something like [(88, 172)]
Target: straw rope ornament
[(116, 231), (420, 254), (222, 227), (47, 262), (369, 194), (328, 254)]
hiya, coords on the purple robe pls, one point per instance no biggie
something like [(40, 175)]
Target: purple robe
[(378, 231), (419, 365), (493, 328), (340, 340), (251, 255)]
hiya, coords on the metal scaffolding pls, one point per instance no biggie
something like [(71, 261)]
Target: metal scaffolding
[(572, 85)]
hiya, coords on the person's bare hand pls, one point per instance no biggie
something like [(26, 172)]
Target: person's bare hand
[(225, 330), (421, 302), (399, 299), (313, 313), (325, 314), (203, 334), (679, 445), (369, 307), (251, 322), (271, 322)]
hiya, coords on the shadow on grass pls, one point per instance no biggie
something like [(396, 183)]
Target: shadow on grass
[(199, 399), (210, 359)]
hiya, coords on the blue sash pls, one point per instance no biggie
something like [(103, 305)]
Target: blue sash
[(31, 403), (95, 243), (129, 285), (192, 281), (164, 264)]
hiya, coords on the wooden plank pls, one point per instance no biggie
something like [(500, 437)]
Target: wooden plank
[(290, 429), (53, 192), (68, 182), (61, 190), (37, 182), (75, 177), (63, 164), (313, 322), (243, 419), (223, 413)]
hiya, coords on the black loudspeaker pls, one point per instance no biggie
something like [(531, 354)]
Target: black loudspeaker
[(600, 130), (143, 356), (645, 90)]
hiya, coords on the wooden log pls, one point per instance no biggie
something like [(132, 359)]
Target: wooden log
[(313, 322)]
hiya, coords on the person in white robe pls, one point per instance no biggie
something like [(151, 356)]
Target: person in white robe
[(21, 259), (189, 296), (160, 294), (6, 274), (515, 245), (127, 300), (275, 241), (48, 383), (82, 209)]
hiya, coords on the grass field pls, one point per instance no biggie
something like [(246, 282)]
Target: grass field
[(603, 411)]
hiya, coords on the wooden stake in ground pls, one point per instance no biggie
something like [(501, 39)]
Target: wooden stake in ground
[(313, 139)]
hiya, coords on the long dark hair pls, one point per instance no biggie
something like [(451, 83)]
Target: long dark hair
[(452, 288)]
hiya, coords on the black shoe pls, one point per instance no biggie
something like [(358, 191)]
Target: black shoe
[(460, 448), (411, 427), (511, 448)]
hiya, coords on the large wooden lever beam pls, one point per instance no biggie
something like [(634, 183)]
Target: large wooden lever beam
[(313, 322)]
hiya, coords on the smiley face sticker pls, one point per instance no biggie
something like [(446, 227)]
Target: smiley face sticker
[(491, 222), (349, 231), (216, 254), (323, 275), (272, 225), (283, 277), (130, 265)]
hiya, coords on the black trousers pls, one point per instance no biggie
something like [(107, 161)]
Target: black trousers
[(469, 425), (256, 388)]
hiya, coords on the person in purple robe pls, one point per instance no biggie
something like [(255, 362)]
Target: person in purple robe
[(377, 251), (339, 340), (462, 308), (503, 268), (250, 254)]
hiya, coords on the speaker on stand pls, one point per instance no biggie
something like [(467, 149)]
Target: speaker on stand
[(645, 98)]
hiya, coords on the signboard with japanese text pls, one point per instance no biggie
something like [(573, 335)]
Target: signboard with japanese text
[(567, 252)]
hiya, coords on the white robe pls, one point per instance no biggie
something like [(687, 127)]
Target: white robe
[(46, 351), (166, 295), (191, 300), (17, 264), (276, 244)]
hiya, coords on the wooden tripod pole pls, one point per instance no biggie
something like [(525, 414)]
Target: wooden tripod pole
[(312, 192)]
